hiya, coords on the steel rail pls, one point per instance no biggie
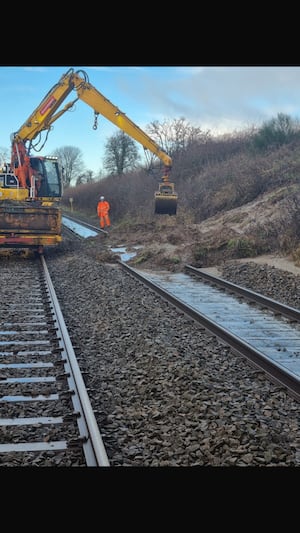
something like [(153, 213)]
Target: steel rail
[(273, 305), (275, 372), (93, 447), (46, 412)]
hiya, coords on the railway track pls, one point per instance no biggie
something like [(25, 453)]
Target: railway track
[(264, 331), (46, 416), (47, 419)]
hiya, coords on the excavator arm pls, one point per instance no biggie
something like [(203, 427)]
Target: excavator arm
[(48, 112)]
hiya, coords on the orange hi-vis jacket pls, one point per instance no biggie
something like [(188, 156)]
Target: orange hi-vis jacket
[(103, 208), (102, 211)]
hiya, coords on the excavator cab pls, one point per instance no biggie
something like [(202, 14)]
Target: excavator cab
[(165, 199)]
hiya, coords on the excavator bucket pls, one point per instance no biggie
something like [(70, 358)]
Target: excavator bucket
[(166, 199)]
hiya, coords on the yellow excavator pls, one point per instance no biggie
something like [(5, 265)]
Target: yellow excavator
[(31, 186)]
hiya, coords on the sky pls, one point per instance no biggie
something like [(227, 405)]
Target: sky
[(221, 99)]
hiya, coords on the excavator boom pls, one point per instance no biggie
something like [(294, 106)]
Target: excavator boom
[(48, 112), (165, 197)]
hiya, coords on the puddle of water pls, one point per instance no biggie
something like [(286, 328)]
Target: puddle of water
[(124, 255)]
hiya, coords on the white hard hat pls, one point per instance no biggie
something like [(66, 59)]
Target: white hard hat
[(101, 197)]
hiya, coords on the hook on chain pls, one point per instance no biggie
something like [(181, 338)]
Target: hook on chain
[(95, 126)]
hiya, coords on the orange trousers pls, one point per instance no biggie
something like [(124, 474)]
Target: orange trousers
[(104, 220)]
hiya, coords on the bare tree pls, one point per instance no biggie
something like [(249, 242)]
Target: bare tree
[(175, 136), (86, 177), (121, 154), (4, 156), (71, 160)]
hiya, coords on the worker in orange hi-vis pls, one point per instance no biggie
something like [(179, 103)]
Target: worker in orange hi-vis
[(103, 208)]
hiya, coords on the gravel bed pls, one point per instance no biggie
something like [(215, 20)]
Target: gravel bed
[(164, 391)]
